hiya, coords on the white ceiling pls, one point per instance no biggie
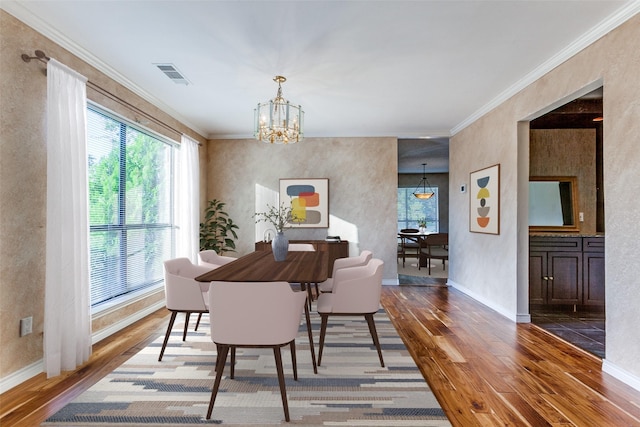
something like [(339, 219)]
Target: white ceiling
[(411, 69)]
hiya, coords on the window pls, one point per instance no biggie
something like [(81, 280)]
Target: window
[(411, 210), (130, 206)]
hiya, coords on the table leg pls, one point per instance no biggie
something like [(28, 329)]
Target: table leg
[(311, 347), (307, 287)]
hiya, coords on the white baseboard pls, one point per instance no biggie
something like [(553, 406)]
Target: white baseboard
[(620, 374), (483, 300), (22, 375), (118, 326)]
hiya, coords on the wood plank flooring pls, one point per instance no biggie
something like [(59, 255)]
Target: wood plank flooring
[(484, 369), (488, 371)]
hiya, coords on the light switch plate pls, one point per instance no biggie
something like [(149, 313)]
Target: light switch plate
[(26, 326)]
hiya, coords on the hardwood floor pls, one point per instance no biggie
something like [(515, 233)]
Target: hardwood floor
[(484, 369)]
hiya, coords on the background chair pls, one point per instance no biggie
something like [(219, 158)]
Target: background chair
[(304, 247), (255, 315), (356, 292), (301, 247), (183, 294), (407, 246), (210, 258), (434, 246), (356, 261)]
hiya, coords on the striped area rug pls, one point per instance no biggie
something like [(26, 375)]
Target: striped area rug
[(350, 389)]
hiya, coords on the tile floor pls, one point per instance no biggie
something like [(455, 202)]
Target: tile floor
[(582, 329)]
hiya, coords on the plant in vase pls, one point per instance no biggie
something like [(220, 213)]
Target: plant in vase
[(422, 225), (280, 217)]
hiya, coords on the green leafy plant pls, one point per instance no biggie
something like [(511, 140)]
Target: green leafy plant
[(279, 217), (422, 222), (218, 231)]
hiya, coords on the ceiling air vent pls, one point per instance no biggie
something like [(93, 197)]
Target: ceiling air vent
[(172, 72)]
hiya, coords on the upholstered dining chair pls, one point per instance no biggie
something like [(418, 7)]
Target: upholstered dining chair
[(301, 247), (304, 247), (356, 292), (183, 294), (407, 246), (354, 261), (210, 258), (254, 315), (434, 246)]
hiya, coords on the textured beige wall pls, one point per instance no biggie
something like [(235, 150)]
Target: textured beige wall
[(486, 266), (362, 174), (568, 152), (23, 182)]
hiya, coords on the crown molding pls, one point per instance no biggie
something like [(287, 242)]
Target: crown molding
[(600, 30), (20, 12)]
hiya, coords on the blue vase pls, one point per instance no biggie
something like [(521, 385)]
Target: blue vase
[(280, 246)]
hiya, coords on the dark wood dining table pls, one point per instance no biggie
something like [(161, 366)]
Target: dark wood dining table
[(260, 266)]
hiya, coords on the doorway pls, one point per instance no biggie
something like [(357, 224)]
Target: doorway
[(568, 141)]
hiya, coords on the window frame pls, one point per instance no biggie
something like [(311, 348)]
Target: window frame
[(413, 222), (112, 304)]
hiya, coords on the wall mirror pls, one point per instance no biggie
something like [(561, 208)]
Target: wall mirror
[(553, 203)]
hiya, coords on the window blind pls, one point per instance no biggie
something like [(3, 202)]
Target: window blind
[(130, 206)]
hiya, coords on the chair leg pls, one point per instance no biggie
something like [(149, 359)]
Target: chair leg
[(283, 390), (294, 363), (223, 350), (166, 336), (186, 325), (323, 331), (232, 368), (198, 322), (374, 335), (429, 265)]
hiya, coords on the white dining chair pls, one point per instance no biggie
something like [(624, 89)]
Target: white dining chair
[(210, 258), (356, 292), (183, 294), (301, 247), (254, 315), (356, 261)]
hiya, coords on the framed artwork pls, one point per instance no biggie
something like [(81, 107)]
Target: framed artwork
[(309, 200), (484, 200)]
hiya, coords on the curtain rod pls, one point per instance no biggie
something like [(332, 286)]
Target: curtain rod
[(42, 57)]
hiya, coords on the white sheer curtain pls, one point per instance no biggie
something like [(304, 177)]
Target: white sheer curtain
[(67, 312), (188, 200)]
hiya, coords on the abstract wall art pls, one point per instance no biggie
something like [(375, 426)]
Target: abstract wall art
[(484, 200), (309, 200)]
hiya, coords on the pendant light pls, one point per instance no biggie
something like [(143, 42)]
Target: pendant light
[(277, 121), (426, 192)]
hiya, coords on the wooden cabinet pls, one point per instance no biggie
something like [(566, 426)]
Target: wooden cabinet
[(593, 271), (566, 270), (334, 250)]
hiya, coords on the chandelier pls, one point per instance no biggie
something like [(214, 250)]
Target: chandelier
[(277, 121), (427, 191)]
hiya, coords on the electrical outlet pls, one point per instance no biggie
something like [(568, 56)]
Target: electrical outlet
[(26, 326), (581, 215)]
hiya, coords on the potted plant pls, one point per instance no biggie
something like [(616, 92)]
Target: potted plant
[(280, 217), (218, 231)]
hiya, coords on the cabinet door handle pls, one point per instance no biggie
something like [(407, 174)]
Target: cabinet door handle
[(550, 277), (545, 278)]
